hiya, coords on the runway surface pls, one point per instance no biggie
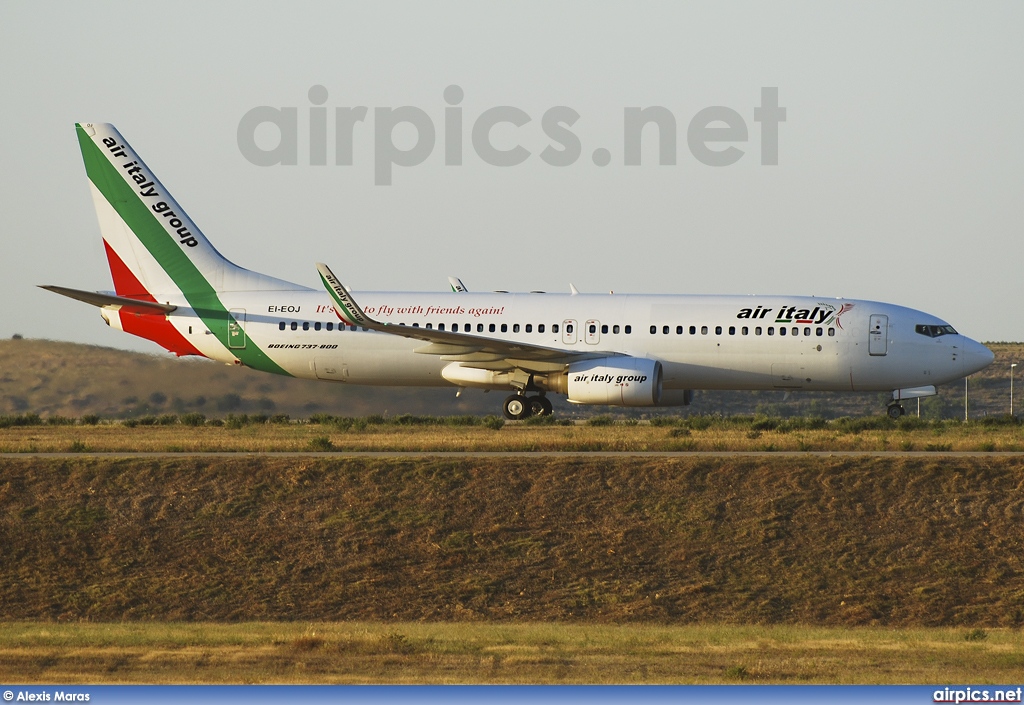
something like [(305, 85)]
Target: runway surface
[(525, 454)]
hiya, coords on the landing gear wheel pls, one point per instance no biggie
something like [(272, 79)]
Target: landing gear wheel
[(539, 406), (895, 411), (516, 407)]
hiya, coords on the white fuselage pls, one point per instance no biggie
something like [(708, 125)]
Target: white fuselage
[(703, 342)]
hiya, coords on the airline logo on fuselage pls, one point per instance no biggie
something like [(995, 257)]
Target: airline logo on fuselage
[(822, 314)]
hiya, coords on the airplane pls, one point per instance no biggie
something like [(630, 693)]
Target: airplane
[(171, 286)]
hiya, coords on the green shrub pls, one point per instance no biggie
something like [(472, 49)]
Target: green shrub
[(602, 420), (494, 422), (321, 444), (192, 419), (235, 422), (701, 422), (20, 420)]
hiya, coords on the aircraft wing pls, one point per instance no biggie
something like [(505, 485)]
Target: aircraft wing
[(471, 350), (109, 301)]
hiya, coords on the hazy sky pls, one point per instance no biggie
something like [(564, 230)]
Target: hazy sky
[(899, 177)]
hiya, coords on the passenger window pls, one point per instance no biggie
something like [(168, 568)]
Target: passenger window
[(295, 326), (317, 325), (757, 330), (718, 330), (604, 328), (807, 332), (504, 327), (679, 330), (415, 325), (703, 330), (330, 326), (831, 332), (540, 327), (529, 327), (745, 330), (490, 328), (629, 329), (795, 331), (693, 330), (664, 330), (440, 326), (281, 325), (430, 326), (305, 325), (455, 327), (818, 332), (771, 330), (479, 327), (515, 327), (568, 328), (732, 330), (554, 327), (615, 329), (782, 330), (654, 329), (593, 328)]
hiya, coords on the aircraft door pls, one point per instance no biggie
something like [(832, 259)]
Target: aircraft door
[(569, 332), (236, 329), (878, 335), (592, 332)]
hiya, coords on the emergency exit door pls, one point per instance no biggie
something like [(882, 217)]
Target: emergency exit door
[(878, 335)]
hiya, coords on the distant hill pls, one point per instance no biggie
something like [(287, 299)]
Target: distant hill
[(69, 379)]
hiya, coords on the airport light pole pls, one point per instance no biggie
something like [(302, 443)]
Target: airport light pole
[(1012, 365)]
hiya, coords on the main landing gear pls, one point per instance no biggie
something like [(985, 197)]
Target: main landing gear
[(895, 411), (519, 406)]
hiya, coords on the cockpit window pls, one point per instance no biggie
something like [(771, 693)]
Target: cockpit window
[(935, 331)]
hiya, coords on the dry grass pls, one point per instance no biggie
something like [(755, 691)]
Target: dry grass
[(945, 436), (477, 653), (842, 541)]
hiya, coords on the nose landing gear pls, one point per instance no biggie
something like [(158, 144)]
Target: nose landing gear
[(895, 411)]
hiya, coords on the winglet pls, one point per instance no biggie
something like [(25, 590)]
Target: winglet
[(344, 305)]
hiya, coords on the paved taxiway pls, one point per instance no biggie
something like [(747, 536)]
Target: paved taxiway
[(398, 455)]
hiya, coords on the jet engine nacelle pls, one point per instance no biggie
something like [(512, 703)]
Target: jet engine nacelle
[(618, 381)]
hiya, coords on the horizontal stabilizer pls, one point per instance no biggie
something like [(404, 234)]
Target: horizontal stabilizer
[(109, 301)]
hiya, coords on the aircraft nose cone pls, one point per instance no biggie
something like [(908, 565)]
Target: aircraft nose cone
[(976, 356)]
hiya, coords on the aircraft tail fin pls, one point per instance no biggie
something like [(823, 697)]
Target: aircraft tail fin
[(153, 247)]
